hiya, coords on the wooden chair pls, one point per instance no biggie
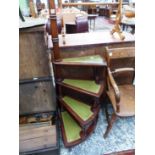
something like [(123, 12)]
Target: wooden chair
[(121, 91)]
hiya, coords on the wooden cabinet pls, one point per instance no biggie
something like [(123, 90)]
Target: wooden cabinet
[(105, 12)]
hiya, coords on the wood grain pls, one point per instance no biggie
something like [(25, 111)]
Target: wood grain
[(92, 38), (122, 57), (30, 126), (33, 58), (36, 97), (37, 138)]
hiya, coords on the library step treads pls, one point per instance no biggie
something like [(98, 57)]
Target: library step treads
[(79, 110), (71, 129), (84, 86), (92, 60)]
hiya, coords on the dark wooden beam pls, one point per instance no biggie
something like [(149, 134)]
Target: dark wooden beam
[(54, 31)]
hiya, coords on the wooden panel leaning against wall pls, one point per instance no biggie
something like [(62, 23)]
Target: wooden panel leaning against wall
[(37, 103), (33, 60)]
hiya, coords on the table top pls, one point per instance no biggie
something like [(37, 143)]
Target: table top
[(92, 15), (70, 23), (93, 38)]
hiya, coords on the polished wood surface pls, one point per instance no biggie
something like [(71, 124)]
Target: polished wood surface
[(93, 38), (54, 30)]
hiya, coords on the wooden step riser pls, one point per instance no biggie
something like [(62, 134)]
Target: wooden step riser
[(77, 95), (92, 60), (76, 72), (82, 123), (97, 96), (77, 64)]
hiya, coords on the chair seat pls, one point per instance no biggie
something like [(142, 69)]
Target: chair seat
[(127, 100)]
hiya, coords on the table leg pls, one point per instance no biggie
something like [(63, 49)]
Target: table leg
[(94, 25)]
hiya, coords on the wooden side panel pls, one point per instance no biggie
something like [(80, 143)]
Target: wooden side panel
[(122, 62), (33, 58), (82, 51), (37, 138), (122, 57), (125, 52), (125, 77), (36, 97)]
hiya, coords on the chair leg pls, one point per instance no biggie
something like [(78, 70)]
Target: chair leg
[(110, 123), (106, 113)]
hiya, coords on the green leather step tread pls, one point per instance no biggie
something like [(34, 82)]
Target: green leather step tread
[(72, 129), (88, 85), (95, 59), (81, 109)]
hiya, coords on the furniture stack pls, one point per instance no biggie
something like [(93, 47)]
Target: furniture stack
[(38, 128)]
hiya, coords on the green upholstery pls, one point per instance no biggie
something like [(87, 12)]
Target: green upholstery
[(87, 85), (81, 109), (85, 59), (72, 129)]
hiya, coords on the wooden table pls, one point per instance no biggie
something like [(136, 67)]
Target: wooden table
[(92, 43), (103, 38), (126, 24), (92, 17)]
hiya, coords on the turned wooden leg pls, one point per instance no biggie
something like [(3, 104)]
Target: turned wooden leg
[(111, 122), (106, 113)]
